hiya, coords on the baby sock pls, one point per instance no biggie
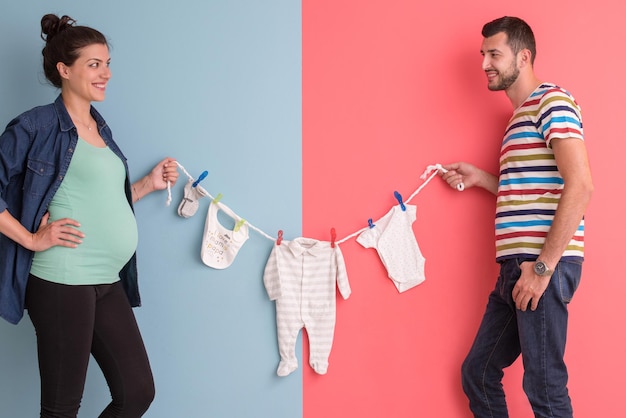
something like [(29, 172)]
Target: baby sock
[(189, 205)]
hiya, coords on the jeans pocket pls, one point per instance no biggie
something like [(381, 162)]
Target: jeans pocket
[(510, 272), (568, 275)]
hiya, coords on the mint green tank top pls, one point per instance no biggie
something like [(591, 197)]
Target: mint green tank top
[(91, 193)]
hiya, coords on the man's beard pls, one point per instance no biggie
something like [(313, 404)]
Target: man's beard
[(506, 80)]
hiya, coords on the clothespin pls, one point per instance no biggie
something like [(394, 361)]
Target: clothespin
[(217, 198), (370, 223), (280, 237), (200, 178), (333, 236), (239, 224), (399, 197)]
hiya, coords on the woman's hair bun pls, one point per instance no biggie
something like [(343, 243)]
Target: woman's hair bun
[(51, 25)]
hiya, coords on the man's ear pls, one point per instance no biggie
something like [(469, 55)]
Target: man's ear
[(525, 57), (64, 70)]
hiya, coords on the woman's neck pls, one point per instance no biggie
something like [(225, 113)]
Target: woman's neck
[(77, 107), (80, 112)]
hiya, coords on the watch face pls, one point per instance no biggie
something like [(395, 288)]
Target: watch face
[(540, 268)]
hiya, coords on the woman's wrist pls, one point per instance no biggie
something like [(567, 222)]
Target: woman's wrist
[(141, 188)]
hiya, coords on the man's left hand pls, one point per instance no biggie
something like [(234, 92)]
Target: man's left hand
[(529, 288)]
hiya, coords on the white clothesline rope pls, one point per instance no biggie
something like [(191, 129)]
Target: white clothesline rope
[(430, 172)]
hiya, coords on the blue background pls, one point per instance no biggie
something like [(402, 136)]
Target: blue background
[(216, 85)]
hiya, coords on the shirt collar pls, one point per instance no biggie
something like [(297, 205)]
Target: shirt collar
[(66, 121), (309, 246)]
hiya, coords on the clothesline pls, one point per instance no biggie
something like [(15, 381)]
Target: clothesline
[(430, 172)]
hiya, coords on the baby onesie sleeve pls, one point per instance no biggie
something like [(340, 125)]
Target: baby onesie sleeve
[(367, 238), (271, 276), (342, 275)]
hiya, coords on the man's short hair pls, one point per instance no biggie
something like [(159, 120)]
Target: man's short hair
[(519, 34)]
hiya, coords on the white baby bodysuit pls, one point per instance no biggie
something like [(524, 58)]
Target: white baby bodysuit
[(302, 276), (219, 244), (392, 236)]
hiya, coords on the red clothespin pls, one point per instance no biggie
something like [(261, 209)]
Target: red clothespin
[(280, 237), (333, 236)]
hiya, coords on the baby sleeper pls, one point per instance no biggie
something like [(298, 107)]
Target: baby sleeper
[(302, 276)]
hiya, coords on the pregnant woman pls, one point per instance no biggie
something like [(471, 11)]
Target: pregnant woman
[(68, 232)]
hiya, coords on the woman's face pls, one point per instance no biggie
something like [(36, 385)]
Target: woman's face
[(88, 76)]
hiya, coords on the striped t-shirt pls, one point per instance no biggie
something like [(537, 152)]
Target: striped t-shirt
[(530, 184)]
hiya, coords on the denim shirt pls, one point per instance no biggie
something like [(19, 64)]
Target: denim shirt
[(35, 152)]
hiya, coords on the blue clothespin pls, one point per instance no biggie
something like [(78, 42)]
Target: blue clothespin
[(399, 197), (202, 176), (370, 223)]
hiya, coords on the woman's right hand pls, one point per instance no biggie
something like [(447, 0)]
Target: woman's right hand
[(62, 232)]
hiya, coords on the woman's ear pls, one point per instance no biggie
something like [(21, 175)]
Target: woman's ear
[(64, 70)]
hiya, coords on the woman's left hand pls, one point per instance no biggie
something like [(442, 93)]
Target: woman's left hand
[(164, 172)]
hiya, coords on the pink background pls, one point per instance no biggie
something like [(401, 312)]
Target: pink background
[(390, 87)]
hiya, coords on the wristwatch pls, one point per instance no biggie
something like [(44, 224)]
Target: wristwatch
[(542, 269)]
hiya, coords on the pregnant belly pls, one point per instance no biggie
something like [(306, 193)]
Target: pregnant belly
[(110, 241)]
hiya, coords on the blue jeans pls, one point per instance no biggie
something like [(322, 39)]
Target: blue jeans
[(539, 336)]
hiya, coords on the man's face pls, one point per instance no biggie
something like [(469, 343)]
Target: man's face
[(499, 62)]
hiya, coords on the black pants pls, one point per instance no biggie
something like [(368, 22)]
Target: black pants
[(72, 322)]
